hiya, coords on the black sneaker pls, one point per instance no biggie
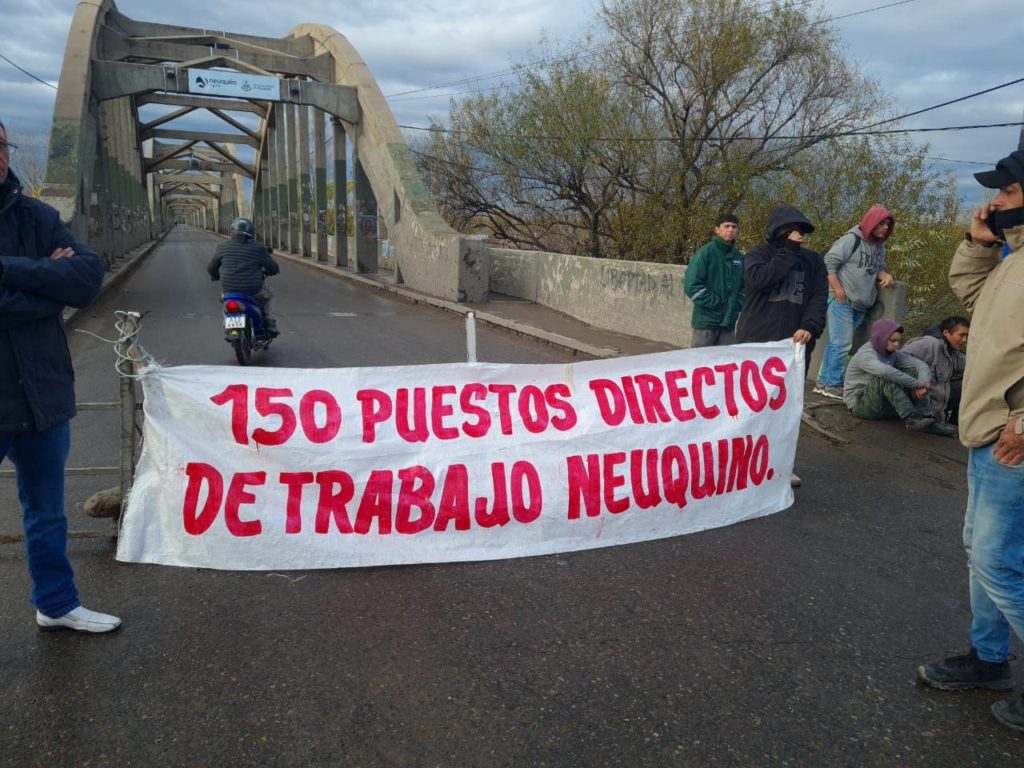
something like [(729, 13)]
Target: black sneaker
[(1010, 712), (946, 430), (958, 673), (918, 423)]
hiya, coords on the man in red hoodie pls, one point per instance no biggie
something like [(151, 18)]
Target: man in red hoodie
[(856, 268)]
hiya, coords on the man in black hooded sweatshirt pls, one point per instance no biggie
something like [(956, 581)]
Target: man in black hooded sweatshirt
[(786, 286)]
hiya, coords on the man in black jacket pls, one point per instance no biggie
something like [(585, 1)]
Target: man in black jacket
[(42, 269), (241, 264), (786, 284), (786, 287)]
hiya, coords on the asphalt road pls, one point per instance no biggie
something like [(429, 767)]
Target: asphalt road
[(788, 640)]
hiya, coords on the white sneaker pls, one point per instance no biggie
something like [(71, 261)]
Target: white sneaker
[(834, 393), (80, 619), (795, 481)]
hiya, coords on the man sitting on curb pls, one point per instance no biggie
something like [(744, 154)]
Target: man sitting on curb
[(883, 383)]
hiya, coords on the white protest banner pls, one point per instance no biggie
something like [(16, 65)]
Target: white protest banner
[(267, 468)]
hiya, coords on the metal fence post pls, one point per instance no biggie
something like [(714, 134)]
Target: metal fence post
[(470, 337), (127, 354)]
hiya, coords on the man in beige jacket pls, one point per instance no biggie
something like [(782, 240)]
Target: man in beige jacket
[(987, 274)]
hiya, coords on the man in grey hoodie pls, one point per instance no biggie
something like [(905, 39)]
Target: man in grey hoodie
[(856, 269), (884, 383)]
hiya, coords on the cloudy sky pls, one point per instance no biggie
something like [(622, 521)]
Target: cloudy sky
[(922, 52)]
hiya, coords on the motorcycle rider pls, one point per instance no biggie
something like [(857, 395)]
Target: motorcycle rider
[(241, 264)]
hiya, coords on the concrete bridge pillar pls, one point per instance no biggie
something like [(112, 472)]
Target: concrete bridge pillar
[(265, 202), (340, 193), (305, 188), (365, 216), (320, 182), (281, 162), (294, 209)]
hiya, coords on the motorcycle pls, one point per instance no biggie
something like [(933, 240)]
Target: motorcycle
[(244, 327)]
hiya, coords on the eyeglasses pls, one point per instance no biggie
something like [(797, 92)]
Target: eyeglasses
[(8, 148)]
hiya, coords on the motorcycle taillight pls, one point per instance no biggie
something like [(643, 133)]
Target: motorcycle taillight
[(232, 306)]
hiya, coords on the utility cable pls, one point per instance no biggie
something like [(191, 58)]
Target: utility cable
[(25, 71), (945, 103), (796, 137)]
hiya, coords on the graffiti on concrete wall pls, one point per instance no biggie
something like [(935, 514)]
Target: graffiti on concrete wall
[(637, 282), (368, 226)]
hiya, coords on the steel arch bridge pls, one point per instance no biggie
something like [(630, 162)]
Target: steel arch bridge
[(123, 166)]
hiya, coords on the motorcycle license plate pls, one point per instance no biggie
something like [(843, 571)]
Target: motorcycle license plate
[(234, 321)]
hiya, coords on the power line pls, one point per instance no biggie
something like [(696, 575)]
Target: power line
[(21, 69), (960, 162), (868, 10), (945, 103), (507, 174), (796, 137)]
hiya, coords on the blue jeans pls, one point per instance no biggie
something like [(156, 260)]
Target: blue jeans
[(843, 320), (994, 540), (38, 458)]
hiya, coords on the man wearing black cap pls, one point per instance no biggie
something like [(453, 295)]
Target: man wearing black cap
[(714, 283), (990, 283)]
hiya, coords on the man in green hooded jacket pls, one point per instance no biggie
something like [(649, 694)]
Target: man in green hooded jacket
[(714, 283)]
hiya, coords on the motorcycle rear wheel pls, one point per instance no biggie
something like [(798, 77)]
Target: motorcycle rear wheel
[(243, 348)]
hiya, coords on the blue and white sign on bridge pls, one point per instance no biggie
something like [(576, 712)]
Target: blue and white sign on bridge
[(212, 82)]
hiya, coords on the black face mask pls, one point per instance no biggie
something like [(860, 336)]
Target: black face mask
[(1000, 221), (783, 241)]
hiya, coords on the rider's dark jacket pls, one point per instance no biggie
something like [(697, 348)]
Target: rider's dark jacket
[(37, 384), (240, 265)]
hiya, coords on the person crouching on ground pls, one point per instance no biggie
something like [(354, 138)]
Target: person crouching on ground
[(884, 383), (942, 350)]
